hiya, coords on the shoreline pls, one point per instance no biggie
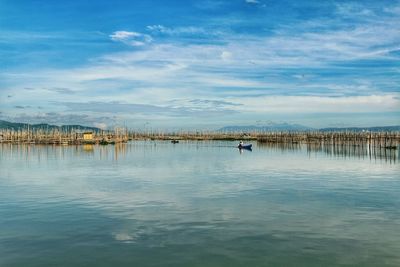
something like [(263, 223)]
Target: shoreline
[(387, 140)]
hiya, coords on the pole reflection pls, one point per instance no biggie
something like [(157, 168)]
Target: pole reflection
[(31, 152), (362, 151)]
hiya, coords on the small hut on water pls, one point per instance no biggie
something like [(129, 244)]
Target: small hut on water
[(88, 136)]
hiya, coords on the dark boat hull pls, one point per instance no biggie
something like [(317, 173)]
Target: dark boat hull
[(245, 146)]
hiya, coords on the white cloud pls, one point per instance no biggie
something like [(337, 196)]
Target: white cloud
[(320, 104), (252, 1), (131, 38), (393, 10), (176, 31), (158, 28), (225, 55), (353, 9), (100, 125), (123, 35)]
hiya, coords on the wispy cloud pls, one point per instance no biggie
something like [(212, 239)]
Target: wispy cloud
[(252, 1), (62, 90), (131, 38), (311, 104), (353, 9), (58, 118), (176, 31), (146, 109), (210, 105), (217, 103), (210, 4)]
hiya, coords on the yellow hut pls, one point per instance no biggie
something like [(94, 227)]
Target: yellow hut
[(88, 136)]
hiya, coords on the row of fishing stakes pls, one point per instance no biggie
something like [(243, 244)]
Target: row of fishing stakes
[(65, 137), (387, 140)]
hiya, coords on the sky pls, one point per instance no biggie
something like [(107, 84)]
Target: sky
[(200, 64)]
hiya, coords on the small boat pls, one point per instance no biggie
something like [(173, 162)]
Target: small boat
[(175, 141), (244, 146)]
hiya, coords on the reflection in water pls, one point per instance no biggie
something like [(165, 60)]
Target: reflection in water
[(243, 149), (359, 151), (364, 151), (43, 152), (88, 148), (196, 204), (115, 152)]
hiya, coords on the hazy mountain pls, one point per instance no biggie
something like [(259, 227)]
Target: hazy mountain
[(266, 128), (45, 126), (271, 127)]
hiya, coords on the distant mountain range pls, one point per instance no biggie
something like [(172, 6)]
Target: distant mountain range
[(266, 128), (297, 127), (44, 126)]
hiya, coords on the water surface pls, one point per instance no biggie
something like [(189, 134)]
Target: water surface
[(197, 204)]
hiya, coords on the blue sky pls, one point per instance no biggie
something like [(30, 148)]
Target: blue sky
[(200, 64)]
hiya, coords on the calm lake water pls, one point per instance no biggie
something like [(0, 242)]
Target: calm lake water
[(197, 204)]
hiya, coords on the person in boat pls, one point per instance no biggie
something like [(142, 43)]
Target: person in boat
[(240, 143)]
